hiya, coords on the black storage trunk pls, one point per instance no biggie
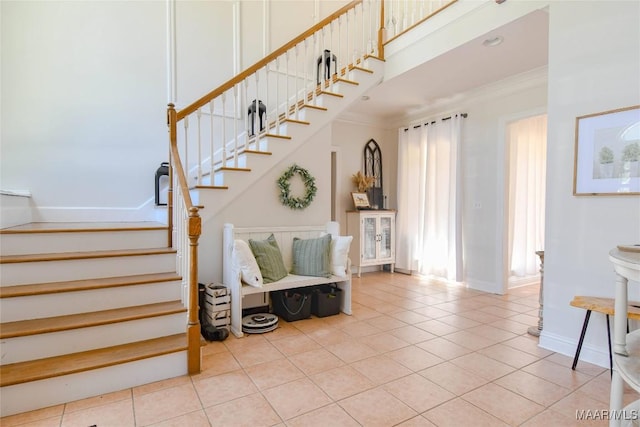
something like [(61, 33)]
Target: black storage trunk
[(326, 301), (292, 304)]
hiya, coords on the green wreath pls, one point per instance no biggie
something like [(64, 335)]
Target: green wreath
[(285, 188)]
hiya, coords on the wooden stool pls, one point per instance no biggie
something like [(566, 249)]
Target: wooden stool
[(605, 306)]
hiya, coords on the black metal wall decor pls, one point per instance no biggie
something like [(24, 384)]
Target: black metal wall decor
[(373, 167)]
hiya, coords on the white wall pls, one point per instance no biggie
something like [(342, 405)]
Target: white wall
[(261, 206), (85, 88), (594, 64), (349, 138), (83, 101)]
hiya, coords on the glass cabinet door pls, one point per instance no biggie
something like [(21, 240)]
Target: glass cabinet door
[(369, 239), (385, 237)]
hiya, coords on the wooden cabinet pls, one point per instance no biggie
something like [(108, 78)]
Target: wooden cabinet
[(374, 238)]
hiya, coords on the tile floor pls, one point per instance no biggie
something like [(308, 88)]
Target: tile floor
[(414, 353)]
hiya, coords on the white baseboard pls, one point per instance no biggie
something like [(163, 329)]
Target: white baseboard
[(567, 346)]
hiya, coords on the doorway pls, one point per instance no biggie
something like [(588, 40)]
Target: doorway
[(525, 154)]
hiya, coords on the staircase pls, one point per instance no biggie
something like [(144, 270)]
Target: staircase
[(259, 155), (87, 309)]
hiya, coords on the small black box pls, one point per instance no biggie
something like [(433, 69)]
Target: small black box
[(326, 301), (292, 304)]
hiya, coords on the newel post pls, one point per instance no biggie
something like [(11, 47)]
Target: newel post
[(193, 328), (381, 32), (172, 124)]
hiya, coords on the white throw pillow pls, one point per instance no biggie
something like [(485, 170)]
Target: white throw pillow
[(339, 254), (245, 263)]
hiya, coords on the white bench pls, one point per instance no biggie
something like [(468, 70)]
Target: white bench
[(284, 236)]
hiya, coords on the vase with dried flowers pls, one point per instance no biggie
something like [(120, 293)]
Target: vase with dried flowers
[(362, 182)]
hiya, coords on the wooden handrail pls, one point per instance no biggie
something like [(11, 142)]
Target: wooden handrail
[(194, 230), (175, 156), (264, 61)]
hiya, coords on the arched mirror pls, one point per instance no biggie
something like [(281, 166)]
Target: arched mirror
[(373, 167)]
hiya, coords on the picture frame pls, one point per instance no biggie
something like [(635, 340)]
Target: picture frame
[(360, 200), (607, 153)]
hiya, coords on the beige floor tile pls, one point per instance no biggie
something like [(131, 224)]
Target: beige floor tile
[(164, 404), (512, 326), (458, 322), (458, 412), (550, 418), (161, 385), (295, 344), (443, 348), (310, 324), (492, 333), (351, 351), (483, 366), (223, 388), (418, 421), (528, 344), (381, 369), (418, 392), (116, 414), (296, 398), (410, 317), (104, 399), (504, 404), (414, 358), (273, 373), (436, 327), (360, 329), (193, 419), (582, 366), (471, 341), (219, 363), (284, 330), (557, 374), (386, 323), (432, 312), (312, 362), (262, 351), (383, 342), (332, 415), (47, 415), (481, 316), (377, 407), (328, 336), (213, 347), (533, 388), (342, 382), (252, 410), (578, 401), (411, 334), (453, 378), (509, 355)]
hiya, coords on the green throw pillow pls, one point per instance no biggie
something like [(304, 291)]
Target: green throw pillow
[(312, 257), (269, 259)]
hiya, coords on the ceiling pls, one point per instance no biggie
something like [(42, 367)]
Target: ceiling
[(471, 65)]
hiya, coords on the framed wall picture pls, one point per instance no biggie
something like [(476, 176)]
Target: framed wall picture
[(607, 153), (360, 200)]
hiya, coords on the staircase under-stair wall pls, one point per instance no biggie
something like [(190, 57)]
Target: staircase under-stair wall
[(87, 309)]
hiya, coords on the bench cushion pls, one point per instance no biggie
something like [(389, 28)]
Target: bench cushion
[(311, 256), (269, 259), (245, 263)]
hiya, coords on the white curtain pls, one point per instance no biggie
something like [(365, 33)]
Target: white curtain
[(429, 222), (527, 146)]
